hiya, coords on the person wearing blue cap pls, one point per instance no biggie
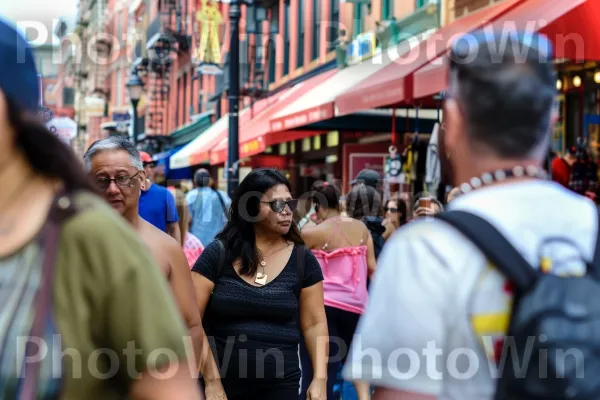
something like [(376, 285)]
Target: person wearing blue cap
[(82, 316)]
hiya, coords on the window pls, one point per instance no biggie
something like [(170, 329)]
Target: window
[(300, 60), (184, 99), (358, 19), (68, 97), (286, 39), (271, 61), (333, 25), (316, 8), (387, 9)]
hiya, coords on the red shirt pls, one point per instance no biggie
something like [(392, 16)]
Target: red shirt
[(561, 171)]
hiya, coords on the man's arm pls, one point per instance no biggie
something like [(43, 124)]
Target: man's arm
[(175, 232), (173, 219), (185, 296)]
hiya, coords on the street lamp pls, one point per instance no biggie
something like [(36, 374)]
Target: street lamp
[(134, 87)]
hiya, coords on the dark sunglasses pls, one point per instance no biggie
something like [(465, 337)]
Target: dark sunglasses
[(392, 209), (279, 205)]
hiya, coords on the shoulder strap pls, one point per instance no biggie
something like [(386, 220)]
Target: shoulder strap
[(220, 201), (494, 246), (301, 267), (222, 258), (594, 267), (63, 207)]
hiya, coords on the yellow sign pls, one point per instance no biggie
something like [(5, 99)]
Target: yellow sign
[(210, 19)]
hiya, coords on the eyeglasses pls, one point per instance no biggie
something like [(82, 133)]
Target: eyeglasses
[(279, 205), (392, 209), (123, 181)]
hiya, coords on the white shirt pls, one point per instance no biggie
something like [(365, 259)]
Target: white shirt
[(437, 308)]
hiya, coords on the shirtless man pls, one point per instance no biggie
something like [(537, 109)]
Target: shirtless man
[(116, 167)]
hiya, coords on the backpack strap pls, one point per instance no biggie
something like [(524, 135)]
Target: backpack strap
[(63, 208), (301, 267), (594, 267), (494, 246)]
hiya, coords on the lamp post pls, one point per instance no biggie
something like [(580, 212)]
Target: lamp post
[(134, 87), (233, 155)]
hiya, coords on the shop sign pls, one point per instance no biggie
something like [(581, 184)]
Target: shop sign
[(360, 161), (208, 53), (361, 48)]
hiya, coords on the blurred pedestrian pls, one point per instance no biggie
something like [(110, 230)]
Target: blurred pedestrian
[(344, 248), (116, 168), (260, 290), (192, 246), (156, 204), (427, 206), (396, 215), (73, 270), (368, 177), (364, 203), (208, 207)]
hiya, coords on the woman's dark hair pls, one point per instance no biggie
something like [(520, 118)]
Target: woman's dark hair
[(402, 209), (238, 235), (46, 154), (326, 195), (363, 201)]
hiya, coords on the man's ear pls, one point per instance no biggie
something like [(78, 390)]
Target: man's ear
[(453, 126), (142, 177)]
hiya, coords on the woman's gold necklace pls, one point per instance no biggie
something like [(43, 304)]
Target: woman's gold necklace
[(261, 277)]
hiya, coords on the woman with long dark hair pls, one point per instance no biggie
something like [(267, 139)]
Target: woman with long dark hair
[(266, 292), (70, 268), (396, 215)]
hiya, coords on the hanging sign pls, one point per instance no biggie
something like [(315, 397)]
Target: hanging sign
[(208, 52)]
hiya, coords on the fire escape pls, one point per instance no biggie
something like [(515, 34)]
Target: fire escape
[(167, 35)]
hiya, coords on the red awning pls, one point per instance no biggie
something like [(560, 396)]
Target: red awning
[(198, 151), (256, 135), (318, 104), (571, 25), (393, 84)]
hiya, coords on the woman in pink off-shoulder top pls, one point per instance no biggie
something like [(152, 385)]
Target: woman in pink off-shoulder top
[(344, 248)]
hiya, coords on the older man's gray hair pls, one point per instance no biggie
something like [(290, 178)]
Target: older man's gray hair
[(112, 143)]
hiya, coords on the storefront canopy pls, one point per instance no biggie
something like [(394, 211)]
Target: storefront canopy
[(257, 134), (572, 26), (394, 84), (318, 104), (198, 150)]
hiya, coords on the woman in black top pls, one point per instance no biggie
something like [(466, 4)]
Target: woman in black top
[(267, 292)]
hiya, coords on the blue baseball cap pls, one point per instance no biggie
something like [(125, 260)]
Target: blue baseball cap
[(18, 74)]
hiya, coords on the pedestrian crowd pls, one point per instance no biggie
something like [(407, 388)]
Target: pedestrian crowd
[(114, 287)]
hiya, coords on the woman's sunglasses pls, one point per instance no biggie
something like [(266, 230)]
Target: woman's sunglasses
[(279, 205), (394, 210)]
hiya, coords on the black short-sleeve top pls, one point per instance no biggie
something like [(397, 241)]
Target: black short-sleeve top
[(267, 314)]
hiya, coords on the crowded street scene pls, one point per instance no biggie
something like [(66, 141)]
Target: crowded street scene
[(299, 199)]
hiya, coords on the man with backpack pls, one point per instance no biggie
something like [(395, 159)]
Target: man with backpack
[(208, 208), (490, 300)]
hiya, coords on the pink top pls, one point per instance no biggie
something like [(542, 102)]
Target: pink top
[(192, 248), (345, 271)]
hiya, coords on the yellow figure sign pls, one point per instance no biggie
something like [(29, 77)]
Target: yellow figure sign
[(210, 19)]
